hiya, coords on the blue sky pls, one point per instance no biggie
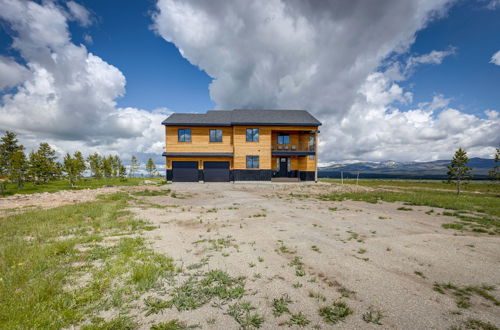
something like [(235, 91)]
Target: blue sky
[(388, 79)]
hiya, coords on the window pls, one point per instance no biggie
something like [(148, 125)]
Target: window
[(252, 135), (215, 135), (184, 135), (311, 143), (311, 157), (252, 161), (283, 139)]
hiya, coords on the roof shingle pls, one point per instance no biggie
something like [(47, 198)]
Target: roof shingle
[(243, 117)]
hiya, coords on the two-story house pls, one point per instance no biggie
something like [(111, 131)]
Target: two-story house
[(241, 145)]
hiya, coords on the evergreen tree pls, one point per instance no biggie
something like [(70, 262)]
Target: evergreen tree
[(116, 164), (107, 166), (122, 173), (71, 168), (495, 172), (80, 165), (457, 171), (18, 167), (95, 165), (8, 147), (134, 166), (43, 166), (150, 167)]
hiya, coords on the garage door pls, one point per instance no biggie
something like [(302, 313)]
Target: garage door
[(216, 171), (185, 171)]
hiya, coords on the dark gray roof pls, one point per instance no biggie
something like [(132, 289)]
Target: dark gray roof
[(243, 117)]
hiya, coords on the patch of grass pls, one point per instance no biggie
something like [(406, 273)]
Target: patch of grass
[(345, 292), (338, 311), (218, 244), (148, 192), (198, 290), (315, 249), (419, 273), (280, 305), (316, 295), (282, 248), (333, 209), (362, 251), (174, 324), (298, 319), (120, 322), (86, 183), (40, 276), (402, 208), (487, 204), (297, 285), (242, 313), (260, 259), (462, 294), (373, 316), (155, 305), (258, 215), (478, 324), (299, 266)]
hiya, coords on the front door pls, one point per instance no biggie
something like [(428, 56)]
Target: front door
[(283, 171)]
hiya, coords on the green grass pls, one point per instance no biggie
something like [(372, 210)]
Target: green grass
[(198, 290), (479, 185), (463, 294), (338, 311), (242, 312), (298, 319), (58, 267), (280, 305), (87, 183), (485, 206)]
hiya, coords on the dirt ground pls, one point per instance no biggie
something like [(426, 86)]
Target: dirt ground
[(370, 256), (378, 257)]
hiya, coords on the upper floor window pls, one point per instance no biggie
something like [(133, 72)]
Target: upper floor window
[(311, 142), (283, 139), (215, 135), (252, 135), (252, 161), (184, 135)]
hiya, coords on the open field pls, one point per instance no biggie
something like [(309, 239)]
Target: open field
[(250, 255), (86, 183)]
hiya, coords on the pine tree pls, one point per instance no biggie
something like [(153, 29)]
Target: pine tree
[(43, 166), (457, 171), (495, 172), (123, 173), (95, 165), (71, 168), (8, 147), (80, 165), (18, 167), (134, 166), (150, 167), (107, 166)]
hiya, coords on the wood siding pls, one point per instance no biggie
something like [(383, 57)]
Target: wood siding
[(234, 141)]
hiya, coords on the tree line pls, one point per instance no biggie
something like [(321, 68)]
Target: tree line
[(41, 166)]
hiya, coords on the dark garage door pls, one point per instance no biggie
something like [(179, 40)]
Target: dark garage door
[(216, 171), (185, 171)]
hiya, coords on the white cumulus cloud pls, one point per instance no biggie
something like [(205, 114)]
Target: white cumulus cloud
[(495, 59), (68, 96), (326, 57)]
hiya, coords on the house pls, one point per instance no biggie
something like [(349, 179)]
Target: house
[(241, 145)]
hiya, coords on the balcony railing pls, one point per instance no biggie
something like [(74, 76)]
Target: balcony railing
[(297, 147)]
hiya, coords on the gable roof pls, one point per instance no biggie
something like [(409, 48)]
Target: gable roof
[(243, 117)]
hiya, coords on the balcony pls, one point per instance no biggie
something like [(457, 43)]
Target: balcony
[(298, 149)]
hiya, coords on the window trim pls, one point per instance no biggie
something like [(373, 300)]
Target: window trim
[(253, 159), (184, 131), (210, 135), (253, 134)]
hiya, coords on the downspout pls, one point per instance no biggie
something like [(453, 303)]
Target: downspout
[(316, 158)]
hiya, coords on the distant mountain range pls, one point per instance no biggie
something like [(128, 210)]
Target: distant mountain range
[(404, 170)]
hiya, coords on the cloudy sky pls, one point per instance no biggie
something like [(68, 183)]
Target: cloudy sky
[(389, 79)]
